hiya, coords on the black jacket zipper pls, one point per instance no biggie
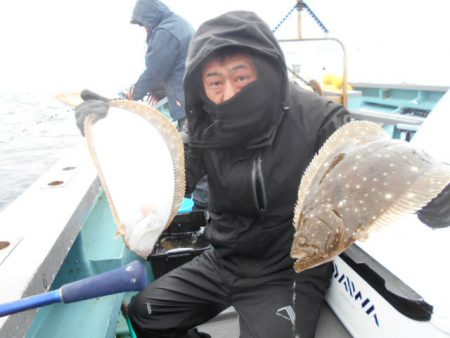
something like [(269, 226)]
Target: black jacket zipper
[(258, 186)]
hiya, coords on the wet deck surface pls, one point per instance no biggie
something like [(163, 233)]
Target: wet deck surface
[(226, 325)]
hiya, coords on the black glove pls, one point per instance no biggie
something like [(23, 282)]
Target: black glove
[(436, 213), (87, 94), (93, 104)]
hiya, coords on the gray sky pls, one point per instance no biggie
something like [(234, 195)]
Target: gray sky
[(72, 44)]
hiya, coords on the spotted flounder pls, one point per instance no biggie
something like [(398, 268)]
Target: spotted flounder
[(139, 157), (360, 180)]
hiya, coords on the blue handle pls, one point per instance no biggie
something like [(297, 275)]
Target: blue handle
[(30, 303), (132, 277)]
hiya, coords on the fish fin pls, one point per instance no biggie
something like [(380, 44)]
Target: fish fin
[(357, 131), (422, 191), (88, 123)]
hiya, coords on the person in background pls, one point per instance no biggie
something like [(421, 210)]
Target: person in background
[(168, 37), (253, 132)]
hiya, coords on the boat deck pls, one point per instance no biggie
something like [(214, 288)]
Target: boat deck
[(226, 325)]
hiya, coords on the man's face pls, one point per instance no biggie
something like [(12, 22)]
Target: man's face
[(222, 79)]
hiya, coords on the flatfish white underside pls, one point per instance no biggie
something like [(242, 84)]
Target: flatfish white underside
[(136, 165)]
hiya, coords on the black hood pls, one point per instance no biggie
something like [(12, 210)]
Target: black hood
[(240, 29)]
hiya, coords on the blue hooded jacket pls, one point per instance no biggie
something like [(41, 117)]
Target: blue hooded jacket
[(168, 42)]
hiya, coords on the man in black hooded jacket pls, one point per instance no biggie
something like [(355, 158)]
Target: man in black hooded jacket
[(254, 146), (253, 133)]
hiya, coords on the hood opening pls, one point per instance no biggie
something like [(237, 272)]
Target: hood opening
[(230, 32)]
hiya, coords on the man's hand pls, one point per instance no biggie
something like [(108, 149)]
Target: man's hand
[(94, 104)]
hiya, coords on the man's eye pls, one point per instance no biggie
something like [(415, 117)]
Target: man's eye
[(242, 78), (215, 84)]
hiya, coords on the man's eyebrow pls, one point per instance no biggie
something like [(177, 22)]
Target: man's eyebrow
[(233, 69), (239, 66), (213, 73)]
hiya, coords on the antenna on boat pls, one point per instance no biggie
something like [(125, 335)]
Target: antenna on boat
[(302, 5)]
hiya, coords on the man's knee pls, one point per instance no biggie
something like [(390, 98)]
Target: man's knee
[(139, 307)]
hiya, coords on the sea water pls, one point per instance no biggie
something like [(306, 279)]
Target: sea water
[(35, 131)]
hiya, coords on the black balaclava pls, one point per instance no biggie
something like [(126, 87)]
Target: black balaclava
[(247, 117)]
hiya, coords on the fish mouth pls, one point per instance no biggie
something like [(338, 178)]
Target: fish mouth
[(320, 240), (304, 261)]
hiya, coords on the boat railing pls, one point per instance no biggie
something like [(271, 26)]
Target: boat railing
[(343, 94)]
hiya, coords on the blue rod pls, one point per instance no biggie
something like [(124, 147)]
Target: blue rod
[(30, 302), (132, 277)]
